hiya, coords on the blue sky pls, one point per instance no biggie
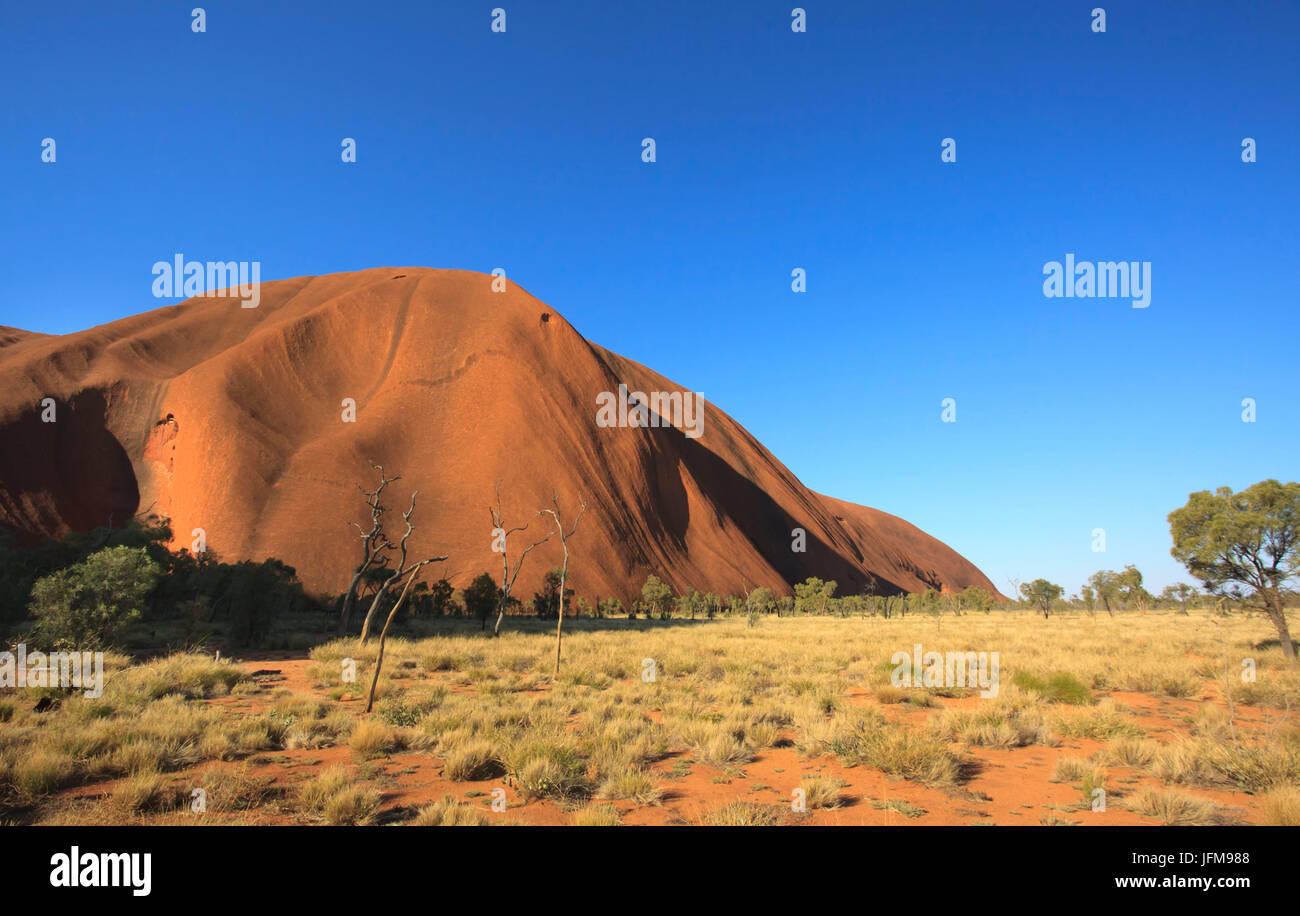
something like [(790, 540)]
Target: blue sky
[(775, 150)]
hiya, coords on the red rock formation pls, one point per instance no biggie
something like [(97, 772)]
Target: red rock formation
[(230, 420)]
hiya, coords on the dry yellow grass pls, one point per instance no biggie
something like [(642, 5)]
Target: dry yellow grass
[(722, 693), (449, 812)]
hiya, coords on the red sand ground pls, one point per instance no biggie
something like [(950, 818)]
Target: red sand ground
[(229, 419)]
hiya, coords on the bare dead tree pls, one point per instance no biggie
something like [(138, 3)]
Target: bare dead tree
[(501, 533), (554, 513), (373, 544), (401, 570), (392, 615)]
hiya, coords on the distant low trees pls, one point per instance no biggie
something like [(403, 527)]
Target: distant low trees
[(1180, 593), (813, 594), (436, 599), (482, 597), (974, 598), (1041, 593), (1105, 583), (759, 600), (1129, 582), (656, 595), (191, 598), (546, 603), (1248, 540)]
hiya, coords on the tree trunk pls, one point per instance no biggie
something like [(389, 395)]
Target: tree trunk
[(383, 637), (374, 608), (349, 601), (559, 623), (1277, 611)]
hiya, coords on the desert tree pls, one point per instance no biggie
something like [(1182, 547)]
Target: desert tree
[(546, 603), (439, 597), (402, 569), (656, 595), (1088, 595), (500, 538), (1130, 584), (1178, 593), (1014, 582), (975, 598), (392, 615), (373, 545), (88, 604), (813, 593), (1106, 583), (554, 513), (1247, 539), (1041, 593), (481, 598), (759, 600)]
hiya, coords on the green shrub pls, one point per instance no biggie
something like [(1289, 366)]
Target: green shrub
[(1055, 688), (86, 605)]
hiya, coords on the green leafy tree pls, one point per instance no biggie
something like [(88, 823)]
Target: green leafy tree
[(481, 597), (440, 597), (1179, 593), (86, 605), (254, 595), (656, 594), (691, 603), (1130, 588), (926, 601), (1106, 583), (1041, 593), (759, 600), (974, 598), (547, 602), (812, 595), (1249, 539)]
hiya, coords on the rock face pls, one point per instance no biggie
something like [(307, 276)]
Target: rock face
[(231, 420)]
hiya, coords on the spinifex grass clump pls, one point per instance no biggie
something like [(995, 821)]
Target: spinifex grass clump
[(744, 814), (338, 798), (450, 812), (1013, 719), (864, 737), (1176, 809), (821, 792), (1058, 687), (597, 816)]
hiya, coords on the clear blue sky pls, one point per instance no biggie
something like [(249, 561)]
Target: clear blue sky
[(775, 150)]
